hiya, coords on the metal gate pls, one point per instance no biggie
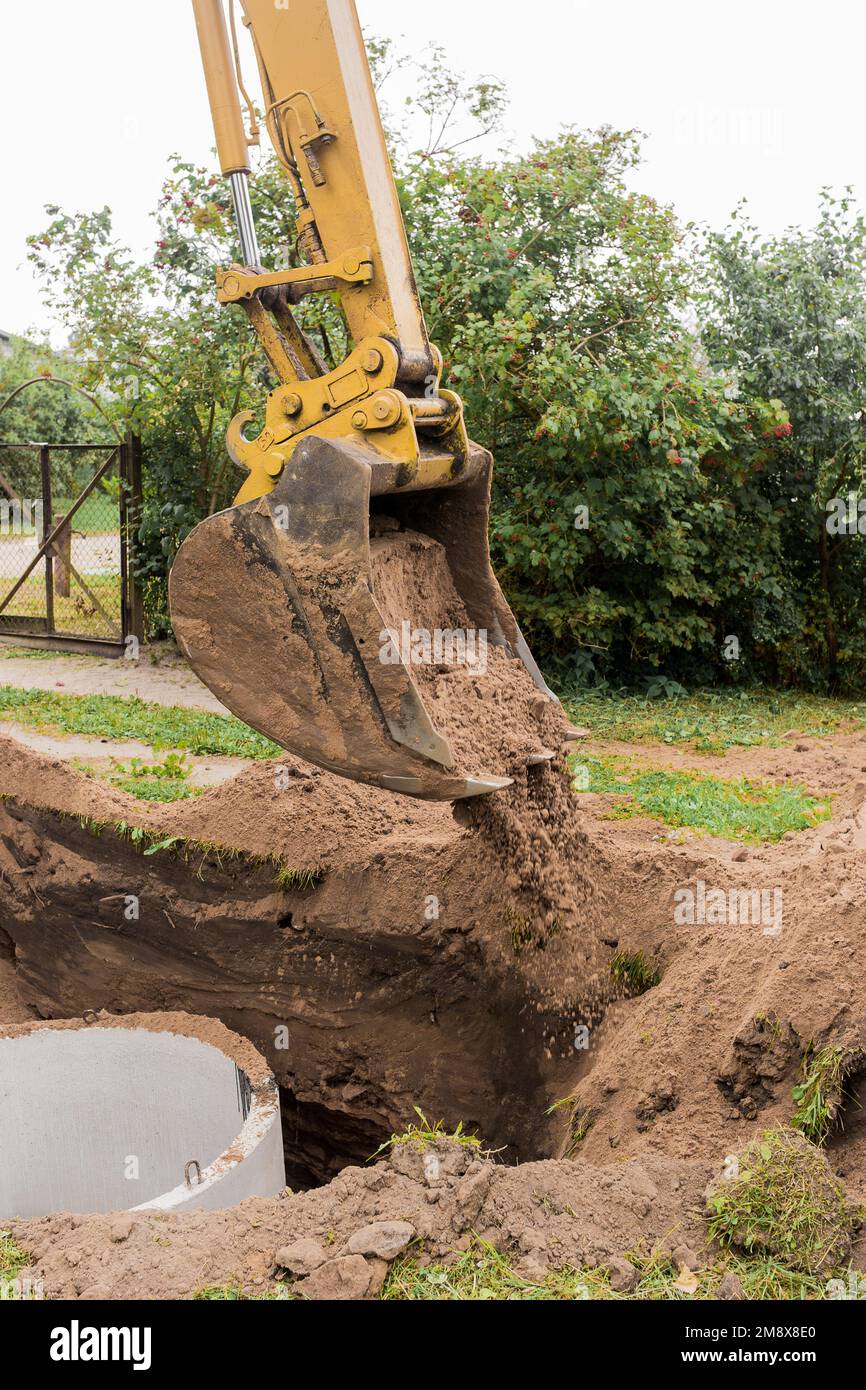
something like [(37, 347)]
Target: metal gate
[(66, 554)]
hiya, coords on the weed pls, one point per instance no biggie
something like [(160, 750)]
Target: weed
[(785, 1202), (425, 1134), (820, 1094), (164, 781), (632, 970), (12, 1258)]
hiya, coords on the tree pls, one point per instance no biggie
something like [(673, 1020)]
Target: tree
[(787, 317), (49, 413), (628, 525)]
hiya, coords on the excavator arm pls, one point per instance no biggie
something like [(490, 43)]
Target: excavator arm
[(323, 121), (275, 600)]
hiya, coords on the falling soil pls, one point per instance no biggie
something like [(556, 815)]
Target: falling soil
[(496, 719)]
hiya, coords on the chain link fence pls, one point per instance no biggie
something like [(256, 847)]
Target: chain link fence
[(65, 551)]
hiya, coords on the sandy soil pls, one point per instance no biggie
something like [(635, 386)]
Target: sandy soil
[(13, 1008)]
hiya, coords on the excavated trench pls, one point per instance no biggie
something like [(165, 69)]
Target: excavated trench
[(381, 956), (364, 1003), (380, 952)]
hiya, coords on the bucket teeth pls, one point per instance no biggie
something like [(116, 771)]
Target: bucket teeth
[(460, 790), (539, 759), (573, 735)]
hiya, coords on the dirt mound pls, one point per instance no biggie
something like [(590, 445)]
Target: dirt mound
[(699, 1064), (285, 809), (428, 1202), (484, 701)]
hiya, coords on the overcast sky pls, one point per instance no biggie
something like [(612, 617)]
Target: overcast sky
[(755, 98)]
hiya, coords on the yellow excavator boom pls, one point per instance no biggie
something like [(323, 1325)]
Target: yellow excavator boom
[(274, 601)]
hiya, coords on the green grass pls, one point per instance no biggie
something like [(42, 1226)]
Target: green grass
[(482, 1274), (712, 721), (783, 1201), (424, 1134), (164, 781), (739, 809), (98, 515), (118, 717), (36, 654), (821, 1093), (632, 970), (12, 1258), (234, 1293), (75, 615), (290, 880)]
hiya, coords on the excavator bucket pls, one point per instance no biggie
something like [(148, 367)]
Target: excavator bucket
[(292, 607)]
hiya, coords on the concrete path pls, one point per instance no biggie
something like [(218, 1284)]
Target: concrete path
[(161, 677)]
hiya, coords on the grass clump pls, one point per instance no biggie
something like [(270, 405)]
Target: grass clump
[(484, 1274), (821, 1093), (12, 1258), (163, 781), (424, 1134), (119, 717), (234, 1293), (739, 809), (784, 1202), (633, 972), (526, 933), (711, 721), (290, 880), (478, 1274), (582, 1120)]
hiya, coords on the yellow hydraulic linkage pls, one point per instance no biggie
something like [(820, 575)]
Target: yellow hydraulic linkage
[(273, 600)]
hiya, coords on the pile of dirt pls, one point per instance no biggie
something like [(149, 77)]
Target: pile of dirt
[(284, 809), (709, 1057), (339, 1240), (483, 700)]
